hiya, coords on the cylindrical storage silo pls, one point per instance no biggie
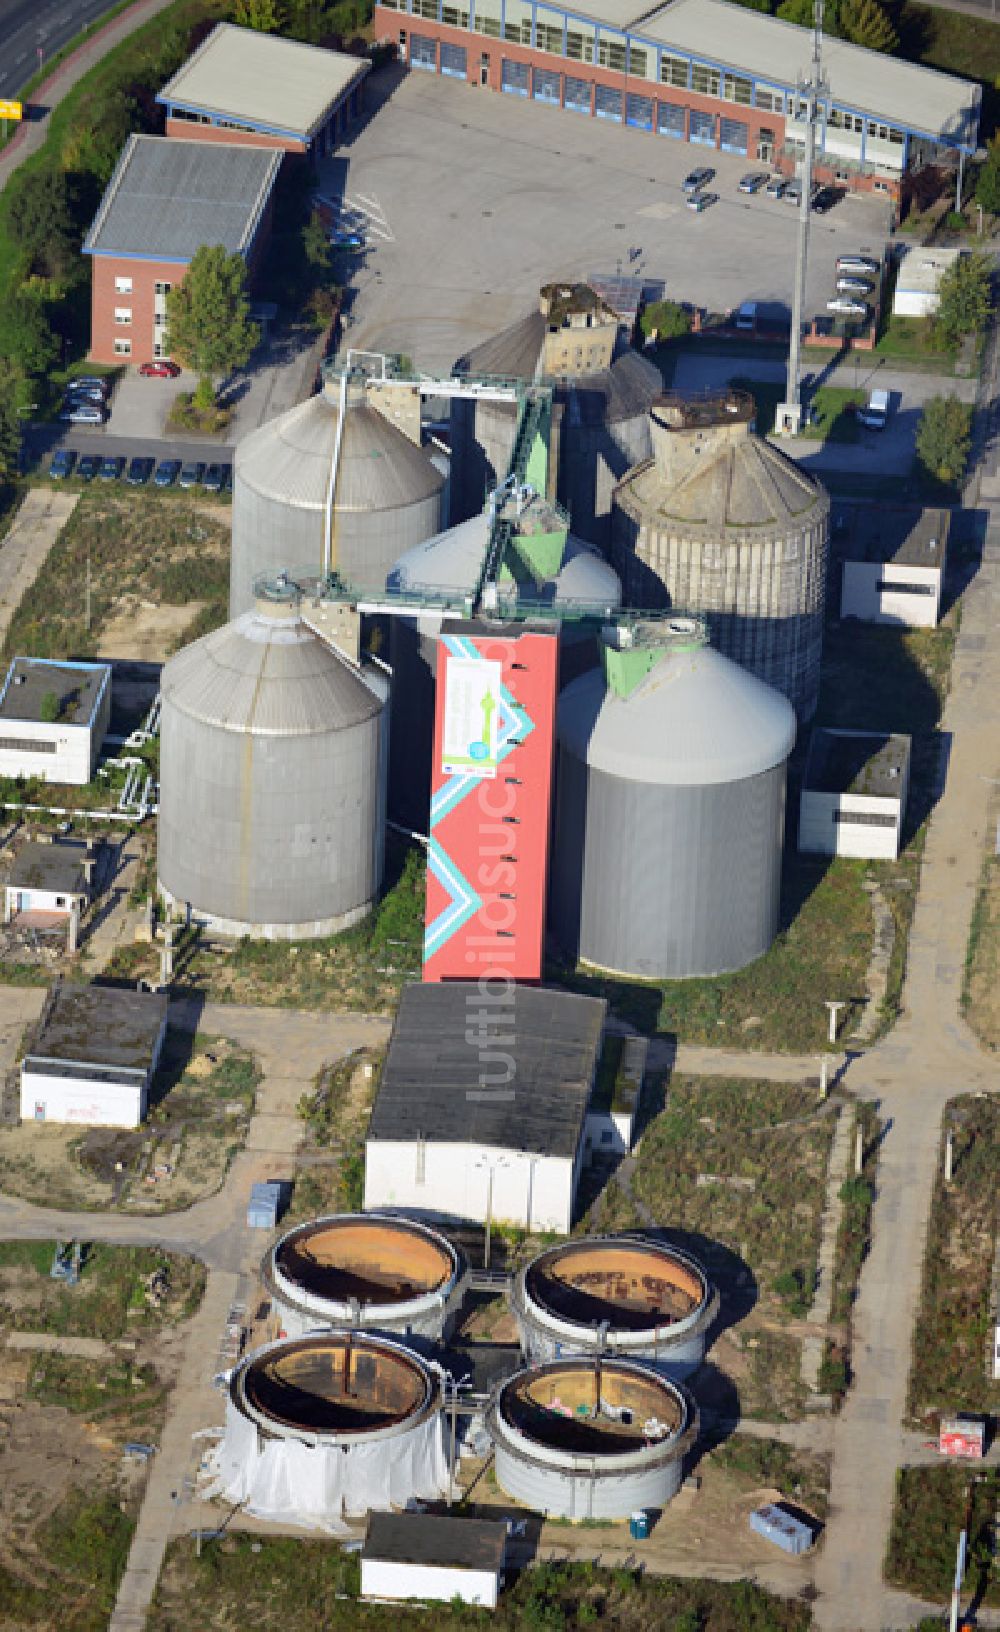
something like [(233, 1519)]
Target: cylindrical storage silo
[(670, 802), (619, 1295), (591, 1438), (328, 1426), (273, 766), (720, 522), (364, 1270), (386, 495)]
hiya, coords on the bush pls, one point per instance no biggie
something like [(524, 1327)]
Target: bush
[(943, 437), (665, 319)]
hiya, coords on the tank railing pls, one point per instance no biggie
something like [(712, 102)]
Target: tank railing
[(712, 405)]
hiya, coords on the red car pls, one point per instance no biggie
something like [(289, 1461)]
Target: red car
[(161, 370)]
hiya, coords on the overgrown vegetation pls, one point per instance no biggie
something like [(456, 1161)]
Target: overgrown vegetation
[(336, 1114), (981, 987), (929, 1513), (113, 1297), (95, 1388), (950, 1335), (944, 435), (799, 1476), (75, 1566), (266, 1581)]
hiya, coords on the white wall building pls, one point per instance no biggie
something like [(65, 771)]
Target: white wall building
[(481, 1110), (434, 1557), (48, 879), (895, 565), (918, 280), (854, 793), (53, 718), (93, 1056)]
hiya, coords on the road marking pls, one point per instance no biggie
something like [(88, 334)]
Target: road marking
[(366, 212)]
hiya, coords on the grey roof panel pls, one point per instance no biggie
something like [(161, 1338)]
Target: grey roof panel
[(55, 867), (436, 1539), (169, 197), (30, 680), (99, 1025)]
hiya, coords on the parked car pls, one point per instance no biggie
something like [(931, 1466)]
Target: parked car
[(112, 467), (701, 201), (227, 478), (84, 413), (167, 472), (823, 199), (847, 306), (88, 467), (62, 464), (863, 265), (753, 181), (793, 192), (212, 479), (341, 238), (875, 413), (192, 473), (745, 316), (139, 471), (89, 382), (853, 286), (698, 179), (775, 188), (76, 399), (160, 369)]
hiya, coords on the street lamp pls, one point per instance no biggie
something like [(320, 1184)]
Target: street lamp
[(491, 1163), (454, 1386)]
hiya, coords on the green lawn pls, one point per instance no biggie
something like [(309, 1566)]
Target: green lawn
[(831, 416), (108, 1300), (910, 339)]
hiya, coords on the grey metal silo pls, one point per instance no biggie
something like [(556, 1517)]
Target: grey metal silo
[(386, 495), (273, 764), (602, 393), (718, 521), (670, 801)]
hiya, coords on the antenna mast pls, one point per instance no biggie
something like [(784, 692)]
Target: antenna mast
[(812, 92)]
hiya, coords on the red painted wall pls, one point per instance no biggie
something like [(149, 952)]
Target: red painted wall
[(489, 838)]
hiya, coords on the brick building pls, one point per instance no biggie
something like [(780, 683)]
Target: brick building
[(701, 71), (263, 91), (165, 200)]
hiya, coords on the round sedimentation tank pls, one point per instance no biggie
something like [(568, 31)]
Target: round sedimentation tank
[(568, 573), (625, 1296), (591, 1439), (387, 494), (602, 394), (719, 521), (330, 1425), (364, 1270), (670, 802), (273, 769)]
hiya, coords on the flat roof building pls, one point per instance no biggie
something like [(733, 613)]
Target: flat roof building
[(53, 718), (47, 887), (163, 203), (433, 1556), (894, 564), (854, 793), (93, 1056), (917, 291), (703, 71), (264, 91), (481, 1109)]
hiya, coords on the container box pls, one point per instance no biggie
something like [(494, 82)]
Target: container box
[(782, 1528), (638, 1525), (265, 1201), (963, 1436)]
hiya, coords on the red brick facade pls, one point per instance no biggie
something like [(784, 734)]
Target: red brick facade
[(190, 130)]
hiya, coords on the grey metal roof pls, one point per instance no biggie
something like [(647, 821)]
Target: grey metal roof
[(740, 483), (266, 80), (871, 763), (99, 1025), (168, 197), (431, 1070), (696, 719), (436, 1540), (289, 458), (452, 560), (625, 389), (75, 688), (271, 676), (903, 533), (56, 867)]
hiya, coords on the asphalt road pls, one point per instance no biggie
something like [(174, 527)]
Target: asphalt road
[(29, 25)]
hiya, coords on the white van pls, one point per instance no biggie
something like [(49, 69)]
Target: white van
[(875, 412), (746, 316)]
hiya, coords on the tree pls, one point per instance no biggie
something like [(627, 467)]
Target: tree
[(11, 384), (963, 298), (665, 319), (801, 12), (267, 16), (40, 218), (863, 22), (29, 337), (988, 181), (208, 317), (943, 438)]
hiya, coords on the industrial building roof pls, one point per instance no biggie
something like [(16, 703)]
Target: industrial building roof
[(436, 1540), (751, 42), (625, 389), (73, 691), (278, 84), (923, 266), (872, 763), (904, 534), (169, 197), (104, 1028), (452, 561), (431, 1081), (54, 867)]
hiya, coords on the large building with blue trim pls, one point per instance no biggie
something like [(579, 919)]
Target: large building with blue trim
[(707, 72)]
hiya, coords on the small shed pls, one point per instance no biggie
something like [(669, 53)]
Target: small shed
[(777, 1525), (894, 564), (854, 793), (53, 718), (48, 882), (433, 1556), (265, 1205), (918, 280), (93, 1056)]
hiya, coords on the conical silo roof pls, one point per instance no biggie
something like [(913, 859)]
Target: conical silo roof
[(627, 388), (451, 563), (696, 719), (269, 675), (742, 482)]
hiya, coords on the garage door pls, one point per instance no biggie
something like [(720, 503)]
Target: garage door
[(423, 52), (702, 128), (732, 136), (454, 61), (577, 95), (608, 103), (670, 119), (514, 77), (639, 112), (545, 85)]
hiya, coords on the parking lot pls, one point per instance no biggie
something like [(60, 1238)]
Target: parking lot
[(480, 198)]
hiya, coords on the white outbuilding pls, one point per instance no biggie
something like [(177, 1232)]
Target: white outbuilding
[(53, 718), (894, 564), (854, 794), (93, 1056), (47, 885), (482, 1106), (433, 1557), (918, 281)]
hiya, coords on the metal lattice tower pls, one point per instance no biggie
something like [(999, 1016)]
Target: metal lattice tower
[(812, 93)]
